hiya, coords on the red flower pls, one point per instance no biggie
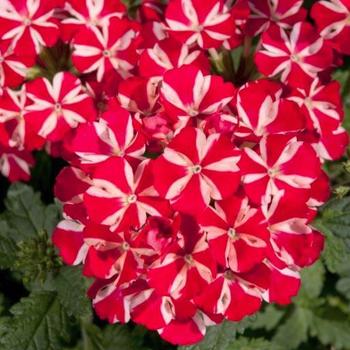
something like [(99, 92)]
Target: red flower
[(332, 20), (15, 164), (13, 68), (168, 54), (183, 271), (224, 295), (322, 106), (284, 13), (87, 13), (293, 241), (13, 106), (196, 169), (299, 55), (113, 135), (29, 24), (277, 164), (123, 202), (107, 50), (207, 24), (200, 95), (58, 106), (267, 114), (236, 233), (68, 238)]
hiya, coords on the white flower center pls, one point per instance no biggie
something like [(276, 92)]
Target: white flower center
[(296, 58), (196, 169), (107, 53), (229, 275), (198, 28), (27, 22), (58, 107), (232, 233), (308, 102), (273, 172), (132, 198), (119, 152), (188, 259), (125, 246)]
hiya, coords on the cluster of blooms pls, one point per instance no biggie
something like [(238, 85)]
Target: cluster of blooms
[(187, 199)]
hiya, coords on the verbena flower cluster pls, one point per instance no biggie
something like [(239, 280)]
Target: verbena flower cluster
[(188, 198)]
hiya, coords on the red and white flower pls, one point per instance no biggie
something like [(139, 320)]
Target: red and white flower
[(321, 104), (59, 106), (293, 242), (68, 238), (284, 13), (113, 255), (112, 135), (185, 330), (236, 233), (168, 54), (332, 20), (228, 291), (13, 68), (107, 50), (207, 24), (196, 169), (322, 107), (15, 164), (183, 271), (297, 56), (89, 13), (123, 201), (278, 163), (267, 115), (197, 97), (29, 24), (139, 95), (13, 105)]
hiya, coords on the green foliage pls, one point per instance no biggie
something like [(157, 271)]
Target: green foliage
[(38, 323), (295, 329), (36, 258), (110, 338), (219, 337), (71, 287), (26, 215), (244, 343), (7, 245), (332, 332)]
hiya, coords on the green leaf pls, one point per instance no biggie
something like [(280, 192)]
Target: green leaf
[(294, 331), (268, 318), (120, 337), (335, 216), (343, 284), (312, 281), (38, 323), (37, 261), (110, 338), (254, 344), (331, 332), (218, 337), (71, 288), (335, 252), (7, 246), (26, 214)]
